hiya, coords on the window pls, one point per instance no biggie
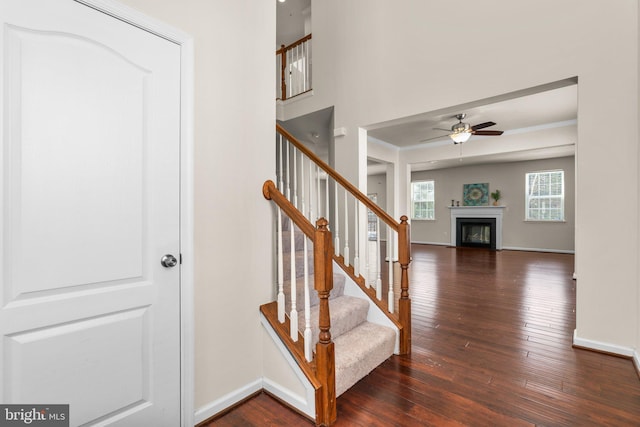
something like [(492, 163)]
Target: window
[(545, 196), (423, 200)]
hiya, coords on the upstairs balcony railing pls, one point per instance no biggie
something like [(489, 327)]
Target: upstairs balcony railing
[(294, 68)]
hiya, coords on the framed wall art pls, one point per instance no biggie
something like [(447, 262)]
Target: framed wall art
[(475, 194)]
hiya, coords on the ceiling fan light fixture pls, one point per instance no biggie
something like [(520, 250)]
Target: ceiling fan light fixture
[(460, 132), (460, 137)]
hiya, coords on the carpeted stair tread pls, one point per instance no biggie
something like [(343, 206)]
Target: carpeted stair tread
[(299, 267), (338, 290), (346, 313), (360, 351), (298, 238)]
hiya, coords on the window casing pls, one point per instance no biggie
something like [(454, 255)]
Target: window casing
[(545, 196), (423, 200)]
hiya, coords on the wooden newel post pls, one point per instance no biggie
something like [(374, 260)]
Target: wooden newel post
[(283, 68), (326, 411), (404, 305)]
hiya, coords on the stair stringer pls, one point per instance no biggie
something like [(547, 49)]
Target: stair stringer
[(375, 314), (282, 376)]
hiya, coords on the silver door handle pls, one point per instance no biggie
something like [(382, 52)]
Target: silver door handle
[(168, 261)]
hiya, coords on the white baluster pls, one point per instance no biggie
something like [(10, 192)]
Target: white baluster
[(390, 301), (298, 57), (287, 176), (302, 184), (293, 315), (280, 254), (302, 69), (294, 76), (280, 270), (346, 230), (295, 178), (280, 184), (289, 68), (356, 243), (318, 190), (294, 69), (307, 68), (311, 195), (326, 198), (308, 354), (336, 244), (378, 262), (367, 256)]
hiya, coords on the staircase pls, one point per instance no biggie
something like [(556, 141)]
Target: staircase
[(360, 346), (335, 317)]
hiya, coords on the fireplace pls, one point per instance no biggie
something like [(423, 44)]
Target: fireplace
[(476, 232), (478, 226)]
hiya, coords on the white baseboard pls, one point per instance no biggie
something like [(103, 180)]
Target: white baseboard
[(558, 251), (509, 248), (227, 400), (290, 398), (305, 404), (603, 346), (431, 243)]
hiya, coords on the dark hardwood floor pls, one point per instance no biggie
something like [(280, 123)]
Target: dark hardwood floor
[(492, 336)]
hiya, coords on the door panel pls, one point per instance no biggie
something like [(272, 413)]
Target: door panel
[(90, 203), (54, 156), (27, 374)]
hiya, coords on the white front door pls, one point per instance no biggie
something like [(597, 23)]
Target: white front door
[(90, 179)]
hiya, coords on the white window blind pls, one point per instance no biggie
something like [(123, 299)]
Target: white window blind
[(545, 196), (423, 200)]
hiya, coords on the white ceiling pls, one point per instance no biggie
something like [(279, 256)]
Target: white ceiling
[(290, 16), (517, 114), (314, 130), (545, 107)]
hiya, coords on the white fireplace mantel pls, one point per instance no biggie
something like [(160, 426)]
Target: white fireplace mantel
[(477, 212)]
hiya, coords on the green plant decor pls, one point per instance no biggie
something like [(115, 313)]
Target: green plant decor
[(496, 195)]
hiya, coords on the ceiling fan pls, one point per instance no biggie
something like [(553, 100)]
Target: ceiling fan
[(461, 132)]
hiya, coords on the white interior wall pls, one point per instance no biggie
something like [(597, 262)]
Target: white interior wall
[(377, 184), (234, 155), (393, 63), (509, 178), (364, 40), (282, 377), (637, 346)]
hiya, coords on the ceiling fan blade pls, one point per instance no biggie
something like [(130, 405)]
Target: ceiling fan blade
[(483, 125), (445, 130), (489, 132), (432, 138)]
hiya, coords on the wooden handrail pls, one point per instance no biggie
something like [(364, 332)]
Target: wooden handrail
[(284, 48), (271, 192), (402, 228), (282, 52), (340, 179), (320, 235), (324, 360)]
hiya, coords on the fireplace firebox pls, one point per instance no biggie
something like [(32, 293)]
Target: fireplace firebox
[(476, 235), (476, 232)]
